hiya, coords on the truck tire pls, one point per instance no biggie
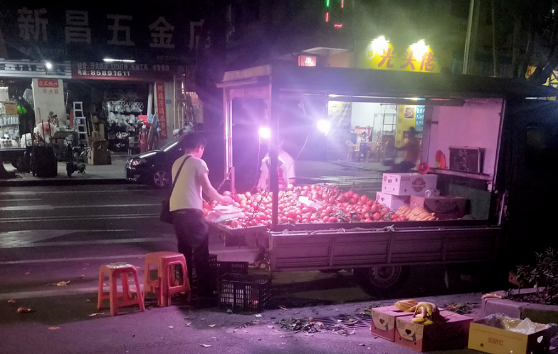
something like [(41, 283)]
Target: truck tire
[(382, 281)]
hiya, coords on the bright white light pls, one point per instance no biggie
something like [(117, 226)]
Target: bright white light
[(379, 45), (48, 65), (323, 126), (419, 49), (109, 60), (265, 133)]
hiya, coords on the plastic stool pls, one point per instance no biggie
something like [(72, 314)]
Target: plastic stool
[(164, 286), (113, 270)]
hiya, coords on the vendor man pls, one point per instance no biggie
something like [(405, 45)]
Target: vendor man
[(285, 170)]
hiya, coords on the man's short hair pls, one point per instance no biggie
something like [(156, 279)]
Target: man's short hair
[(192, 140)]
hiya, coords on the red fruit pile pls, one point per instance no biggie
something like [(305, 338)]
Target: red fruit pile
[(327, 205)]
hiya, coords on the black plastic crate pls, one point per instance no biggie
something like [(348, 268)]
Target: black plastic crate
[(219, 269), (244, 293)]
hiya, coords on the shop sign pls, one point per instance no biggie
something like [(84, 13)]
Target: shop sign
[(36, 30), (306, 60), (161, 109), (387, 57), (50, 83), (122, 71), (30, 69)]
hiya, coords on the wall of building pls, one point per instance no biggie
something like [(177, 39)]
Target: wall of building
[(473, 125)]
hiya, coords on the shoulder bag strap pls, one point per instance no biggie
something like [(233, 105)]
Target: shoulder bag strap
[(178, 174)]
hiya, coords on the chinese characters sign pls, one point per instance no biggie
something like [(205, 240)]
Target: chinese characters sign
[(161, 109), (27, 69), (122, 71), (80, 31), (388, 58), (49, 83), (306, 60)]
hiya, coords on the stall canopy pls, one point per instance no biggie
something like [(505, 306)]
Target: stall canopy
[(273, 83), (377, 83)]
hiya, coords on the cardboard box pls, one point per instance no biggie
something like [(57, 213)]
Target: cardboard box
[(10, 108), (408, 183), (496, 340), (383, 321), (393, 202), (448, 335), (446, 207)]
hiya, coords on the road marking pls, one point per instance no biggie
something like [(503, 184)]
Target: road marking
[(76, 217), (73, 192), (20, 238), (51, 207), (27, 207), (50, 293), (20, 200), (93, 242), (77, 259)]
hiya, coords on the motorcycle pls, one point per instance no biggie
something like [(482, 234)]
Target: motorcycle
[(76, 157)]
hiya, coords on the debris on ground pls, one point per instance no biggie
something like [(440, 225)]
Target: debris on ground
[(367, 310), (24, 310), (53, 328), (171, 327), (462, 309), (61, 283), (205, 345), (11, 301), (96, 314)]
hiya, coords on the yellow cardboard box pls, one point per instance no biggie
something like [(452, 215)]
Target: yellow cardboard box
[(500, 341)]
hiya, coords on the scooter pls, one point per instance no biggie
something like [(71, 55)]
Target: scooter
[(76, 157)]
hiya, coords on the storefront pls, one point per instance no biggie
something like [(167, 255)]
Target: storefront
[(383, 126)]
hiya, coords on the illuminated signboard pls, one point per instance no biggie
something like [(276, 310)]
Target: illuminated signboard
[(306, 60)]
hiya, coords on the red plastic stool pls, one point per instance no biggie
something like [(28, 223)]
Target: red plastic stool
[(165, 284), (113, 270)]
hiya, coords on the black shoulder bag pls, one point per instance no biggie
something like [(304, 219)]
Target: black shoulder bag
[(166, 215)]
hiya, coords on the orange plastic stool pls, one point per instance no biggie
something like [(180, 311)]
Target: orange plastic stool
[(113, 270), (165, 284)]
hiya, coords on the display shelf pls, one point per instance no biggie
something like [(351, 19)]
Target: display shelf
[(479, 176)]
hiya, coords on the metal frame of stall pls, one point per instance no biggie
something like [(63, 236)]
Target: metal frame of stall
[(283, 81)]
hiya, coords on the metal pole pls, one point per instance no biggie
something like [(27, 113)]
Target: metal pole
[(227, 125), (274, 140), (468, 38)]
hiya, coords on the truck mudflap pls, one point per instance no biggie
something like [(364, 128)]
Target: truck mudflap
[(345, 249)]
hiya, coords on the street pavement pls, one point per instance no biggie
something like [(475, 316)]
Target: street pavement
[(55, 234)]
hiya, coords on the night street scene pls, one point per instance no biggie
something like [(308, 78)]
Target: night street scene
[(278, 176)]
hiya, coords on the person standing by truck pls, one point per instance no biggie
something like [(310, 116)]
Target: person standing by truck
[(190, 174), (285, 169)]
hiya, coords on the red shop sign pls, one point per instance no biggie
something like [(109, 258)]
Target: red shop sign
[(306, 60), (50, 83), (161, 108)]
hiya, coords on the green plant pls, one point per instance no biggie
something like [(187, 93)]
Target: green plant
[(544, 273)]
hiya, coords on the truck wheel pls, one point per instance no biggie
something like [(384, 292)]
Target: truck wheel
[(382, 281)]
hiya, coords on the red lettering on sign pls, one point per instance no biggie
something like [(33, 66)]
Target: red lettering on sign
[(51, 83), (495, 341)]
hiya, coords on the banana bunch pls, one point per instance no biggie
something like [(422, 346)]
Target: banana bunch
[(420, 214), (403, 211), (406, 305), (425, 312)]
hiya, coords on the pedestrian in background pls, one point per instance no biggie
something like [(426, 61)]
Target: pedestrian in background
[(186, 205)]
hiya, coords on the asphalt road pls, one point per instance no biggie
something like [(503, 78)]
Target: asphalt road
[(59, 234)]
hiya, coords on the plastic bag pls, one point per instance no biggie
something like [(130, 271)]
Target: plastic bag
[(525, 326)]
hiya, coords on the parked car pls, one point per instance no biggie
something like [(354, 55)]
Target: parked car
[(154, 167)]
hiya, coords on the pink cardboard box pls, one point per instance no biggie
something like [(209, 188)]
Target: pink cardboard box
[(408, 183), (383, 321), (448, 335)]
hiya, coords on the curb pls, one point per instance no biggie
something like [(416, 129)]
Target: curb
[(535, 312), (62, 182)]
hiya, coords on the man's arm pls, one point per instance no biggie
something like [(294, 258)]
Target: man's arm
[(211, 192)]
